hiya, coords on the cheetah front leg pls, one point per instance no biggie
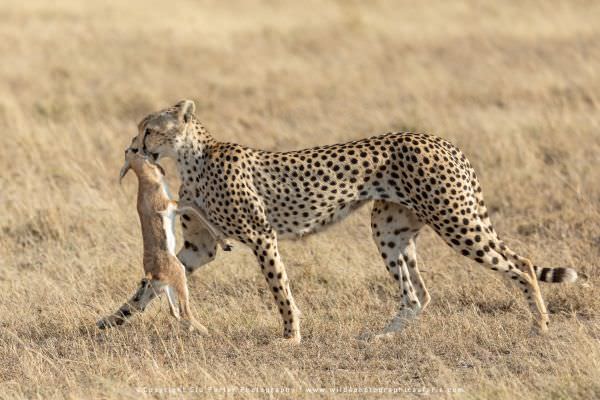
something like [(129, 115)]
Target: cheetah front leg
[(266, 251)]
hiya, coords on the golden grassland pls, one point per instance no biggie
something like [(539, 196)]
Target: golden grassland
[(514, 84)]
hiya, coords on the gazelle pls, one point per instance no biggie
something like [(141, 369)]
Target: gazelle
[(163, 271)]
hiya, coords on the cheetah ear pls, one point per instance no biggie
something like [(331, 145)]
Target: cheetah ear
[(186, 110)]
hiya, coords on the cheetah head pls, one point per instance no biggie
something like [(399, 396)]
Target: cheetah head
[(160, 132)]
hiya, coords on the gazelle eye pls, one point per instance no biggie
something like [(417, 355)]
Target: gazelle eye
[(134, 150)]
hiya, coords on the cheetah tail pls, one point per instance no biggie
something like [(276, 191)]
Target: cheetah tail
[(555, 275)]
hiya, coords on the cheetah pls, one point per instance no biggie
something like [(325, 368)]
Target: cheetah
[(164, 273), (257, 197)]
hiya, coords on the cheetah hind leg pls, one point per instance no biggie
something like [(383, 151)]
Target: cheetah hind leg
[(481, 244), (394, 231)]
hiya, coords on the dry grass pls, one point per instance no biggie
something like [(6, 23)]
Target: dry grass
[(515, 84)]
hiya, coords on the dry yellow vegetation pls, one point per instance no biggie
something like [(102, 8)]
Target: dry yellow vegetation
[(515, 84)]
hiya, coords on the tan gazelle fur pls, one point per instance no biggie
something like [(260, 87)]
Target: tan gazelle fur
[(163, 271)]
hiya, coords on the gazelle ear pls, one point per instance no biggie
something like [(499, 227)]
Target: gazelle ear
[(186, 110)]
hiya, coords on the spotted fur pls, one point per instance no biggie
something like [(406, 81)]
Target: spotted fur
[(257, 197)]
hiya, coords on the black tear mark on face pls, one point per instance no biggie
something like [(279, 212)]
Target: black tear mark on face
[(145, 148), (153, 155)]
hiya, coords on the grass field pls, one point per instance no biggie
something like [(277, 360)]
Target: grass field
[(514, 84)]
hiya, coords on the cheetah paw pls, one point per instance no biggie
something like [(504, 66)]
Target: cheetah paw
[(368, 337), (292, 340)]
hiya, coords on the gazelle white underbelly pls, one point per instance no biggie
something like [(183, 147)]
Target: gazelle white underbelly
[(168, 217)]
